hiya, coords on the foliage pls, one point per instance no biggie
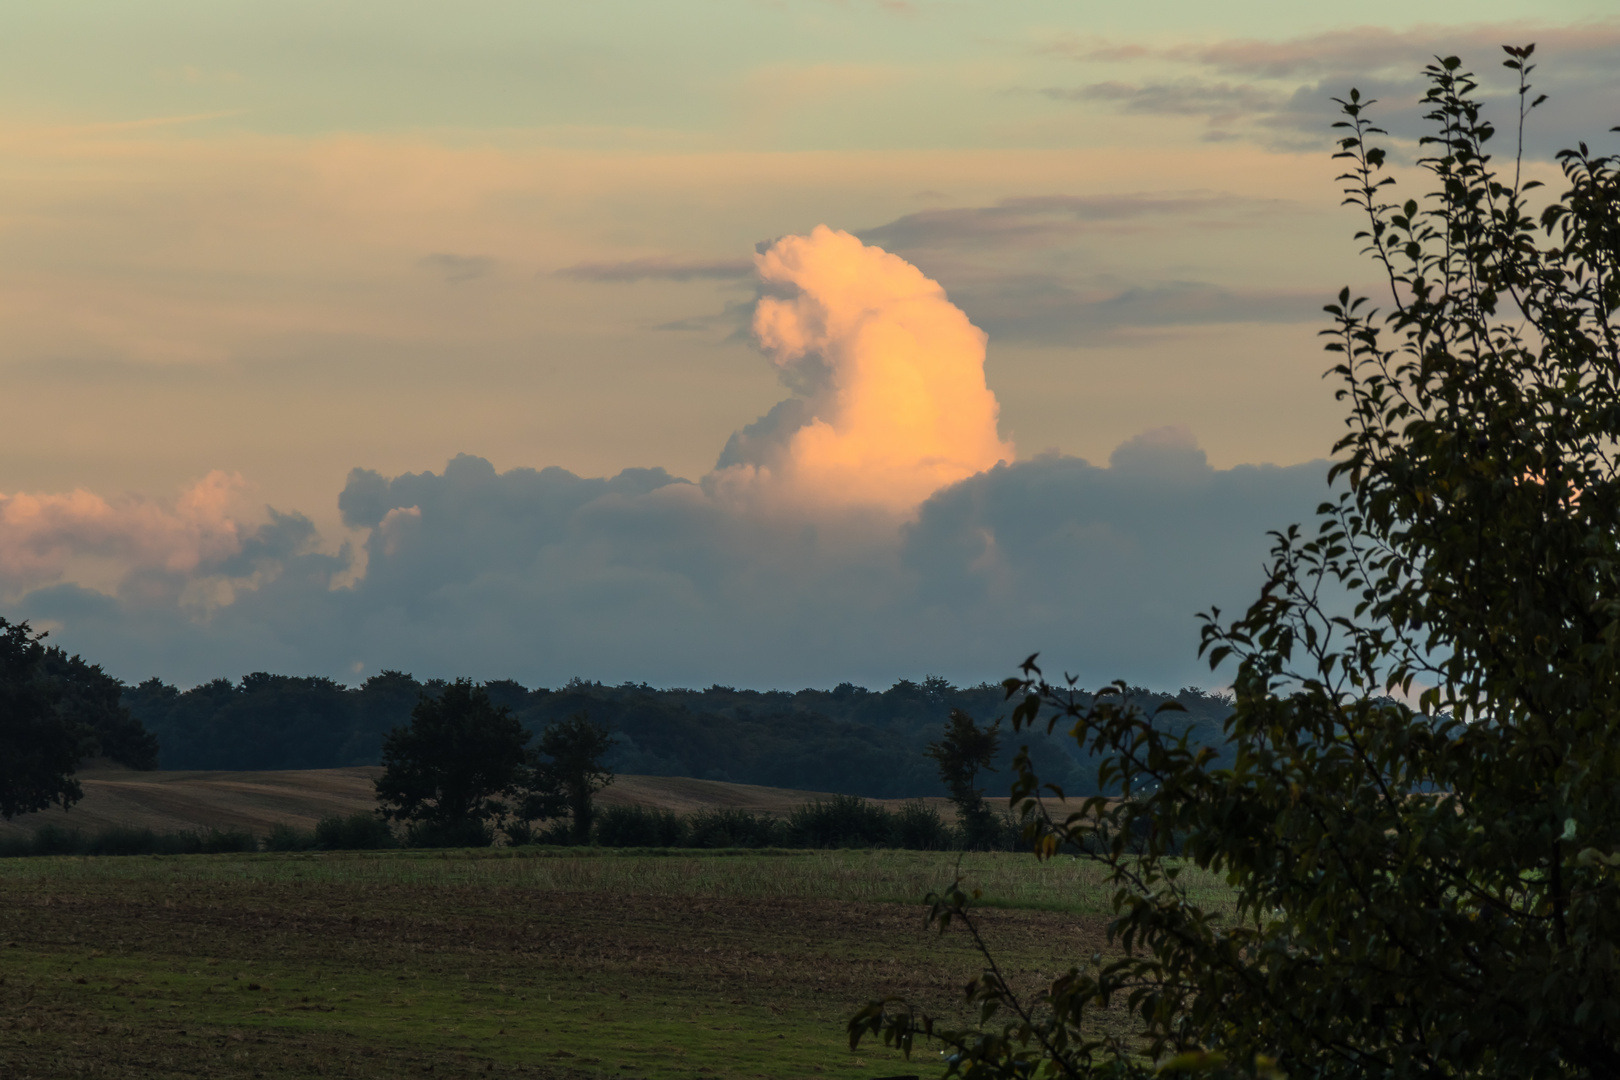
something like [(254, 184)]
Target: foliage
[(573, 772), (286, 837), (640, 826), (961, 752), (1421, 820), (841, 821), (730, 827), (918, 826), (38, 748), (354, 832), (91, 700), (448, 775), (847, 740), (53, 839)]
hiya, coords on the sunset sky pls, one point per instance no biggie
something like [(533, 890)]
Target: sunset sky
[(299, 300)]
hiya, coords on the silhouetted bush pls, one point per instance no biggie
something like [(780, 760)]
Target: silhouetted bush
[(639, 826), (285, 837), (844, 821), (467, 832), (520, 833), (366, 832), (728, 827), (56, 840), (559, 832), (215, 841), (123, 841), (918, 827)]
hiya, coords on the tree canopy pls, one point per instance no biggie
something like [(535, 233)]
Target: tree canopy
[(455, 769), (1420, 820), (573, 771), (962, 751), (38, 749)]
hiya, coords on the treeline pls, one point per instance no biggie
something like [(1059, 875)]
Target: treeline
[(848, 740), (843, 821)]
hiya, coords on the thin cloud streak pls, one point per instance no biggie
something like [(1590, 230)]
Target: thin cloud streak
[(661, 268)]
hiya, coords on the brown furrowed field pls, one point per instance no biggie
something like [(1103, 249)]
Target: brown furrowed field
[(545, 963)]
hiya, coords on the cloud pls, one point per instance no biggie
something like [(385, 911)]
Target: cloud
[(542, 575), (201, 546), (458, 268), (1186, 97), (872, 525), (981, 257), (894, 372), (1284, 89), (1039, 220), (659, 268), (1049, 309)]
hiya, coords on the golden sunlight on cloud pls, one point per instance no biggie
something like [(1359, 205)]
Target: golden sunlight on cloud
[(902, 408)]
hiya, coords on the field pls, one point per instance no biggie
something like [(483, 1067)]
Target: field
[(256, 801), (535, 962)]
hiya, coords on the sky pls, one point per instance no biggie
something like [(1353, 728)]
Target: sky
[(762, 343)]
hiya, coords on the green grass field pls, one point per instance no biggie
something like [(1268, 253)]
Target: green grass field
[(550, 963)]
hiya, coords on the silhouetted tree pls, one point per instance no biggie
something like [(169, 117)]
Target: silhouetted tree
[(1419, 830), (965, 749), (574, 769), (91, 700), (450, 772), (39, 749)]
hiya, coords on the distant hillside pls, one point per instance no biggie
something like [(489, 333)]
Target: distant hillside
[(846, 740), (257, 801)]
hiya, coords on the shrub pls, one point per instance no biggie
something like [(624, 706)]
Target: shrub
[(918, 827), (728, 827), (558, 832), (215, 841), (56, 840), (285, 837), (122, 841), (520, 833), (462, 833), (639, 826), (362, 832), (843, 821)]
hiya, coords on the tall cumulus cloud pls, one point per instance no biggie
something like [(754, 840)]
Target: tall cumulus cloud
[(874, 525)]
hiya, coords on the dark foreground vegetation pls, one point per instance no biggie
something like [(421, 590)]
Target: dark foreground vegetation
[(1420, 819)]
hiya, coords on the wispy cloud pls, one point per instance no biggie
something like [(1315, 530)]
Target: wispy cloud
[(1185, 97), (1048, 309), (1038, 220), (661, 268), (1280, 92), (458, 268)]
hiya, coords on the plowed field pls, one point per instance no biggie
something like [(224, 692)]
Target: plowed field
[(404, 965)]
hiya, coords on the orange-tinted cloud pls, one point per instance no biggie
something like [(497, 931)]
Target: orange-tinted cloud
[(904, 410), (44, 537)]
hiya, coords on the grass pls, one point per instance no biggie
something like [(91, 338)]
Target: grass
[(556, 963)]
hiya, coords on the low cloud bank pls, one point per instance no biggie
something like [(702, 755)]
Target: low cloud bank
[(543, 575)]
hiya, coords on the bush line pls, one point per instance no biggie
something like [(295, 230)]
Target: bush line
[(844, 821)]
